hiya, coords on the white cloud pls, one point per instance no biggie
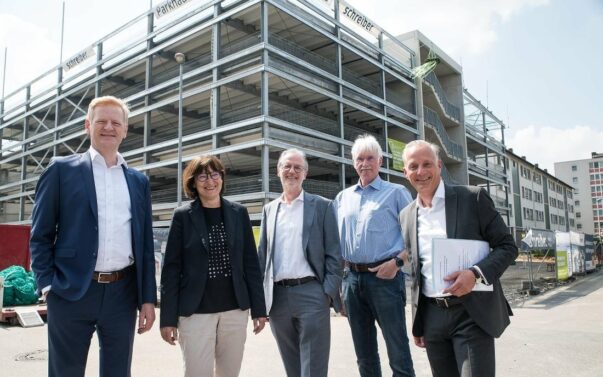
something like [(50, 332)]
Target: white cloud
[(30, 50), (457, 26), (545, 145)]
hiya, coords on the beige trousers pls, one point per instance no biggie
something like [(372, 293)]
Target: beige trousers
[(213, 342)]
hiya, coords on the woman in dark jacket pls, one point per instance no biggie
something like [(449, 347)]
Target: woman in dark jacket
[(211, 276)]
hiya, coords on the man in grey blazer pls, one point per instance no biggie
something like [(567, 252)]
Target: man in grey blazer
[(457, 326), (302, 267)]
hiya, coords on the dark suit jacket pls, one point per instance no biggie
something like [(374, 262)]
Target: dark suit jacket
[(320, 242), (470, 214), (64, 233), (185, 267)]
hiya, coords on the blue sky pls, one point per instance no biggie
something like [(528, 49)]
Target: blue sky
[(536, 63)]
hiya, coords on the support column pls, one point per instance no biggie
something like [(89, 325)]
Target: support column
[(340, 114), (265, 107), (24, 149), (215, 92), (384, 95), (146, 136)]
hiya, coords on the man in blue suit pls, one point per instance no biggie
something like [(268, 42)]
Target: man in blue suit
[(92, 249)]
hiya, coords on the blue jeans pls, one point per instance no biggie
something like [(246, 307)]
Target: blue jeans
[(368, 298)]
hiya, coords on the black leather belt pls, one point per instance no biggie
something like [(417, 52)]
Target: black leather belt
[(111, 277), (294, 282), (445, 302), (364, 267)]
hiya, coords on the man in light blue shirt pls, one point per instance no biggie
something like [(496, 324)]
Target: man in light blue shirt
[(371, 245)]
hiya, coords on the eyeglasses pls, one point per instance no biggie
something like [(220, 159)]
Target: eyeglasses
[(296, 168), (213, 175)]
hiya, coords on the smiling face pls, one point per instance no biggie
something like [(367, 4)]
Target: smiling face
[(292, 172), (367, 166), (209, 185), (423, 169), (107, 128)]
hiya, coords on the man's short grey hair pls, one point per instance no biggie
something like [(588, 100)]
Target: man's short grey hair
[(287, 152), (366, 143), (420, 143)]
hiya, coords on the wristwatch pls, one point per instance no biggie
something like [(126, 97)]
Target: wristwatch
[(478, 276), (399, 261)]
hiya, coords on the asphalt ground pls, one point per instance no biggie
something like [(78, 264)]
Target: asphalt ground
[(555, 334)]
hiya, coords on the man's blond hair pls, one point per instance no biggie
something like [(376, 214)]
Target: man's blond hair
[(108, 100)]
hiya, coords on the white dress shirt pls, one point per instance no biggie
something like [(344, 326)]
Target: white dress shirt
[(114, 214), (289, 258), (431, 223)]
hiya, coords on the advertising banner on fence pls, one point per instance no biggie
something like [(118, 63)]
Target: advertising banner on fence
[(538, 239), (577, 251), (589, 253), (562, 240)]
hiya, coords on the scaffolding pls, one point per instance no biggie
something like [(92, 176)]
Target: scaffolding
[(487, 165), (258, 77)]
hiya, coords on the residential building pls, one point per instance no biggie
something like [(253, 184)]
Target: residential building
[(540, 200), (586, 176)]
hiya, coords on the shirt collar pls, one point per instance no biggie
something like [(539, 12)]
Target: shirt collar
[(377, 183), (94, 154), (300, 197), (439, 194)]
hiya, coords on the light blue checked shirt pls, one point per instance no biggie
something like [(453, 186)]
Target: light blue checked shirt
[(368, 220)]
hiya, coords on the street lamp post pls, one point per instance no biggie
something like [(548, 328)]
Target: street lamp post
[(180, 59)]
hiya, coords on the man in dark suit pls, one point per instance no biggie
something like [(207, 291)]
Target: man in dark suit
[(458, 325), (302, 267), (92, 249)]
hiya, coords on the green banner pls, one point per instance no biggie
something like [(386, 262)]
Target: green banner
[(562, 240), (396, 148), (256, 235), (562, 271)]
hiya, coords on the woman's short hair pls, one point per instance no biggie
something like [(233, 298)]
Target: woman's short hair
[(201, 165)]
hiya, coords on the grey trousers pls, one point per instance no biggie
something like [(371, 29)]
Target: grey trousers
[(301, 324)]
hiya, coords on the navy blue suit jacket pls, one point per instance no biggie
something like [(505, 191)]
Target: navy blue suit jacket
[(64, 233)]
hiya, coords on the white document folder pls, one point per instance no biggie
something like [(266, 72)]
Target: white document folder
[(451, 255)]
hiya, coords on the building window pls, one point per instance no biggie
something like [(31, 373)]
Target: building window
[(578, 215), (574, 168), (571, 222), (579, 226), (575, 180), (577, 203)]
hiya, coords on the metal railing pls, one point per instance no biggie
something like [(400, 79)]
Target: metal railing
[(450, 110), (318, 123), (481, 135), (451, 148), (325, 64)]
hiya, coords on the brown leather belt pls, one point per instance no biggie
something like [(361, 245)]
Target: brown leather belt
[(294, 282), (111, 277), (363, 267), (445, 302)]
